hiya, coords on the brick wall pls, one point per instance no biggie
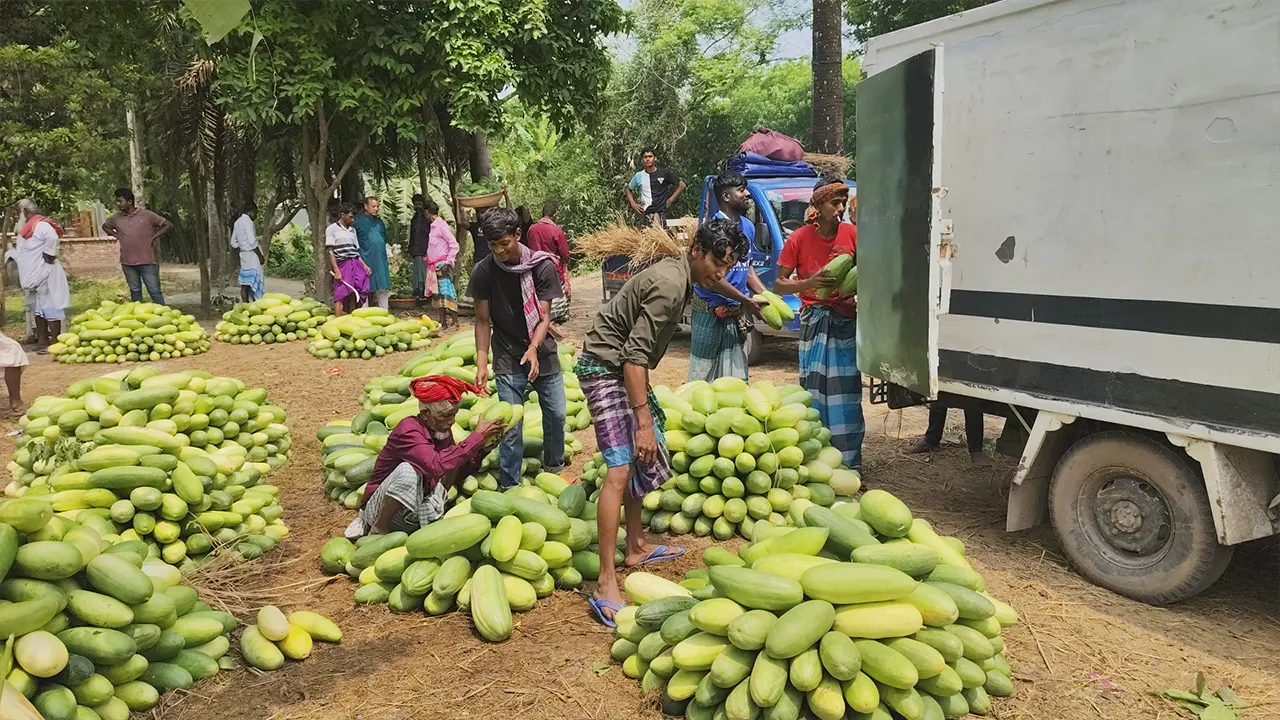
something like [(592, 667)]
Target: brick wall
[(95, 257)]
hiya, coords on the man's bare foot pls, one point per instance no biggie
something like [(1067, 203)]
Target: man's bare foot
[(647, 553), (18, 409), (608, 591), (638, 549)]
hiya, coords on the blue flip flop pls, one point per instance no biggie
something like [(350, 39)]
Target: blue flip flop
[(598, 605), (660, 554)]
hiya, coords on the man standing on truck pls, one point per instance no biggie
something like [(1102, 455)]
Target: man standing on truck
[(627, 339), (513, 288), (828, 351), (723, 316), (657, 187)]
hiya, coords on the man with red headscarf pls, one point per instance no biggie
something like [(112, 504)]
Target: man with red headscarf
[(421, 462)]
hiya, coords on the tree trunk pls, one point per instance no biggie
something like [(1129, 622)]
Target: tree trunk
[(317, 189), (215, 239), (135, 156), (422, 168), (200, 211), (313, 184), (481, 160), (827, 133)]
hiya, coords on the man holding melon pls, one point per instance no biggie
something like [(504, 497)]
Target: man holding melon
[(627, 339), (724, 314), (419, 464), (818, 263), (513, 288)]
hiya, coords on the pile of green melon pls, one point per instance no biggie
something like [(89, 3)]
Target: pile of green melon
[(174, 461), (369, 332), (276, 637), (351, 446), (272, 318), (863, 612), (129, 332), (100, 628), (490, 555), (98, 623), (741, 455)]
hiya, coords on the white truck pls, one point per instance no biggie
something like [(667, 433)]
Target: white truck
[(1065, 207)]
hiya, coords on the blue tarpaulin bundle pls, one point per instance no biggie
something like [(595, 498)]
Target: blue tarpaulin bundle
[(753, 165)]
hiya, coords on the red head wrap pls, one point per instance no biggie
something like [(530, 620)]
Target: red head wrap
[(821, 195), (434, 388)]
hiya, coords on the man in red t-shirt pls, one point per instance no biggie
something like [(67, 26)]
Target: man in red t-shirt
[(546, 235), (828, 351)]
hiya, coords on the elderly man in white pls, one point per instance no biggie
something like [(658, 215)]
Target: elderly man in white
[(44, 283)]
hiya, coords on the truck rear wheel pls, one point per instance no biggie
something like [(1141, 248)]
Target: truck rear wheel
[(1133, 517)]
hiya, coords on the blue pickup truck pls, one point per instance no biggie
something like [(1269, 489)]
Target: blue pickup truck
[(778, 204)]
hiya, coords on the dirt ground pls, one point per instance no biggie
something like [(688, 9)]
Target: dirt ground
[(1079, 653)]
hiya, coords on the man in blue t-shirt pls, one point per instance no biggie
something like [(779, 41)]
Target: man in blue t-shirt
[(722, 317)]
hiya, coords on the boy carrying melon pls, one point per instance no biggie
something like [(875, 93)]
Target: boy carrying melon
[(627, 339)]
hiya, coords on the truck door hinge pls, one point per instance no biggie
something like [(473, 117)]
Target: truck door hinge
[(946, 235)]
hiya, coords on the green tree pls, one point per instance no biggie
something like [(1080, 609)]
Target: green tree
[(777, 96), (350, 73), (870, 18), (62, 126)]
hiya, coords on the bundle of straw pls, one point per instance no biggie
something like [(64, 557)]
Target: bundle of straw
[(829, 165), (639, 244)]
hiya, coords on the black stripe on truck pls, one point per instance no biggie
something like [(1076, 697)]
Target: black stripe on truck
[(1226, 408), (1224, 322)]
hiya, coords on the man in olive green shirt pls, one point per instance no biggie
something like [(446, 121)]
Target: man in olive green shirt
[(627, 339)]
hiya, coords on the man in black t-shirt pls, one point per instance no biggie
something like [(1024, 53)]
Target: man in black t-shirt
[(657, 188), (513, 288)]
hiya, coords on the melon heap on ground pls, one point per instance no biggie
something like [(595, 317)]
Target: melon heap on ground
[(370, 332), (174, 460), (272, 318), (351, 446), (129, 332), (100, 628), (740, 455), (491, 555), (861, 612)]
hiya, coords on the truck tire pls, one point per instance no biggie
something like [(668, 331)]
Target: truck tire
[(753, 344), (1133, 516)]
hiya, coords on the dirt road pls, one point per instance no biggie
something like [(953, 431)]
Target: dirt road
[(1080, 653)]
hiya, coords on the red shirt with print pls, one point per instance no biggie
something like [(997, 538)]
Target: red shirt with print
[(808, 252)]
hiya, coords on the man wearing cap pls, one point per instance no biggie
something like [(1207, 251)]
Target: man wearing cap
[(421, 462)]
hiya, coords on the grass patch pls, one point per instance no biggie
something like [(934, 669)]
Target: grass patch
[(87, 293)]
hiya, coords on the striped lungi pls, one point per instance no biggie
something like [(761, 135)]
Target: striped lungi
[(829, 371), (418, 507), (615, 425), (252, 279)]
